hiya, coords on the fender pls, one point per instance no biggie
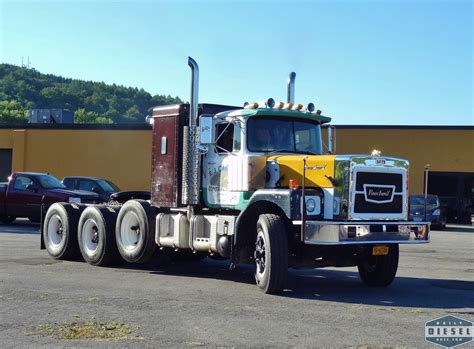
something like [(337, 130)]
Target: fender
[(285, 202)]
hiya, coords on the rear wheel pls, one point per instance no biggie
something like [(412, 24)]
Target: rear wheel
[(271, 254), (60, 230), (379, 271), (135, 231), (96, 235)]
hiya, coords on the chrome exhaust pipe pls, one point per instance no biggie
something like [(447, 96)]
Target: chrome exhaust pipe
[(193, 104), (191, 157), (291, 88)]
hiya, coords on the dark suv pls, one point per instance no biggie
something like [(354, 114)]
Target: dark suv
[(103, 187), (434, 212)]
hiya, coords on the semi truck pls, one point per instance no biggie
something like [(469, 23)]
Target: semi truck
[(254, 184)]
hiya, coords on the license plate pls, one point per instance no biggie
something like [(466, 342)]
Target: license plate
[(380, 250)]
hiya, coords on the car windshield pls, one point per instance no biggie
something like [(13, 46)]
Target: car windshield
[(420, 200), (108, 186), (269, 134), (50, 182)]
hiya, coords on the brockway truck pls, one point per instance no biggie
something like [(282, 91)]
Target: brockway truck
[(251, 185)]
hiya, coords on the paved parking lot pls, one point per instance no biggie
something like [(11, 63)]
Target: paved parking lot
[(205, 304)]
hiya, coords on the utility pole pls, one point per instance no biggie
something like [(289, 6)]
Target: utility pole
[(427, 170)]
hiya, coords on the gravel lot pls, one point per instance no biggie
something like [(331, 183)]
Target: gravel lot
[(205, 304)]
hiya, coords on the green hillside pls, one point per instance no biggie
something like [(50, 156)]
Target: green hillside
[(93, 102)]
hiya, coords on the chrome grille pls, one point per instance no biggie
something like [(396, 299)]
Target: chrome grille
[(378, 192)]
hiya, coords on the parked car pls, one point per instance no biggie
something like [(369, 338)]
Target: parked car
[(434, 212), (102, 187), (107, 190), (26, 192)]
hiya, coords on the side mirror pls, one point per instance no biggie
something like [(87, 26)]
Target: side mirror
[(206, 130), (32, 187), (331, 139)]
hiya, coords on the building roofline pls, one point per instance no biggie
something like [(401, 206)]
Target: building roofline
[(141, 126), (144, 126)]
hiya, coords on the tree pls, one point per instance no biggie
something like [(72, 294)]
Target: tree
[(11, 112), (83, 116), (111, 103)]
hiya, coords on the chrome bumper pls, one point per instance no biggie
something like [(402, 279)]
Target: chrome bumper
[(355, 233)]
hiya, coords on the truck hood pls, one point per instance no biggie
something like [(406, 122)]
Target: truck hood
[(319, 169)]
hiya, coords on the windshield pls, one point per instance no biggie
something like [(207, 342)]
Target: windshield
[(283, 135), (420, 200), (50, 182), (108, 186)]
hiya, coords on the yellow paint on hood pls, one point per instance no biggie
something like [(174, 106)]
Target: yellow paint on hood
[(318, 167)]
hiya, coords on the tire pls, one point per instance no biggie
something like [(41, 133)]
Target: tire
[(60, 230), (96, 235), (135, 231), (271, 254), (7, 219), (379, 271)]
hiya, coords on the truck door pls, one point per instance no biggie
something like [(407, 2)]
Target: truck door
[(23, 201), (220, 172)]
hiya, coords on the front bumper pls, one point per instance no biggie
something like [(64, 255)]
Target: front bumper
[(355, 233)]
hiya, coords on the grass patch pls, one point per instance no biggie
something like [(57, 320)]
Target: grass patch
[(87, 330)]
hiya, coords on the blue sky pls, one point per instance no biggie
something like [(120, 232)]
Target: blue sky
[(361, 62)]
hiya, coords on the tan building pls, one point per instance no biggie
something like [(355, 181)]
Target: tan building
[(122, 154)]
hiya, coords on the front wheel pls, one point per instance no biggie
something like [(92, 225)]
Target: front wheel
[(271, 254), (379, 271)]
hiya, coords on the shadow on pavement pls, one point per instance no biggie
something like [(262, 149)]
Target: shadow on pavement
[(20, 227), (335, 285)]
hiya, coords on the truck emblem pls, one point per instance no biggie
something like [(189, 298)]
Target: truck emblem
[(317, 167), (379, 194)]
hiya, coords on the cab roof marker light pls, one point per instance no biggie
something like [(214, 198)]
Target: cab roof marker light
[(310, 107), (252, 106), (298, 106), (270, 102), (288, 106), (279, 105), (318, 112)]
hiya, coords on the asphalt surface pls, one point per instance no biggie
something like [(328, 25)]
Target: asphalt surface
[(205, 304)]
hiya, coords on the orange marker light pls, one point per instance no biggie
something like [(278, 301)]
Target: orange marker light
[(293, 184)]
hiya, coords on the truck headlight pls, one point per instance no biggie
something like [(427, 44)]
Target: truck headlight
[(75, 200), (436, 212)]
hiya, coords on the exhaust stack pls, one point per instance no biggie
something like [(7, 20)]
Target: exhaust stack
[(191, 157), (291, 88), (193, 110)]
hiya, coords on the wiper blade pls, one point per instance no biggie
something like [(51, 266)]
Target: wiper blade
[(309, 152), (281, 151)]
